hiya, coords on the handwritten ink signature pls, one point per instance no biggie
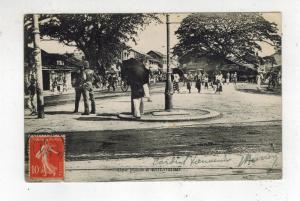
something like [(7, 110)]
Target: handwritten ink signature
[(194, 160), (189, 160), (249, 159)]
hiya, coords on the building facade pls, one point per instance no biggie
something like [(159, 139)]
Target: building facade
[(58, 70)]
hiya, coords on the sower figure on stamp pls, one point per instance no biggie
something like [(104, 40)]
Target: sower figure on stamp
[(43, 155), (88, 77)]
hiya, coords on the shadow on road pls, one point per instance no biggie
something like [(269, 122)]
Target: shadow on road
[(58, 112), (100, 117)]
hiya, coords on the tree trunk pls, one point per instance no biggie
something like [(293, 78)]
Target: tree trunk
[(38, 66)]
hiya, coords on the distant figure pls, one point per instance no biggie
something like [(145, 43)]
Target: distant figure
[(59, 85), (228, 78), (176, 83), (65, 89), (258, 81), (219, 78), (198, 82), (111, 81), (54, 84), (235, 77), (189, 80), (205, 80), (185, 77)]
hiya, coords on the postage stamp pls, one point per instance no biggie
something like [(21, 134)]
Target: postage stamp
[(46, 157)]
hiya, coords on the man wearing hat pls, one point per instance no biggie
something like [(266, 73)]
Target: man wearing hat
[(77, 83), (88, 76)]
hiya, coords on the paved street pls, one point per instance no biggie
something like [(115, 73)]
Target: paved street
[(249, 124), (235, 107)]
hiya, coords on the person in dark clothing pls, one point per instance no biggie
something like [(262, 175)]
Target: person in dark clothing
[(137, 93), (189, 80), (198, 79), (77, 82), (112, 79)]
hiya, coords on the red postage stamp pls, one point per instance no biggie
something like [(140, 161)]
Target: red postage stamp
[(46, 157)]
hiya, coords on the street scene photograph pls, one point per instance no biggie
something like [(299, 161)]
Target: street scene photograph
[(153, 96)]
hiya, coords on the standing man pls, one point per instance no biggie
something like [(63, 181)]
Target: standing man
[(88, 77), (198, 82), (77, 82), (258, 81), (235, 78), (176, 83), (227, 78)]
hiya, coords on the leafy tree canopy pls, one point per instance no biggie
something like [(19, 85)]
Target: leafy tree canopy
[(101, 37), (232, 36)]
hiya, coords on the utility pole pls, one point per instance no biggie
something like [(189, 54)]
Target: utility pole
[(169, 83), (38, 67)]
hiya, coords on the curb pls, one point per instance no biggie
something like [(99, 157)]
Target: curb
[(209, 115)]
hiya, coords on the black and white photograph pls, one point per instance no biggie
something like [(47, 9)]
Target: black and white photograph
[(153, 96)]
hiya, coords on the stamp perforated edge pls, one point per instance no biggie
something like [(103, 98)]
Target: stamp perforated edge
[(28, 178)]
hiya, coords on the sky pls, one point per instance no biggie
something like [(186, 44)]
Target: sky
[(153, 37)]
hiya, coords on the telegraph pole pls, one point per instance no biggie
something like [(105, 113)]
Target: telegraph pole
[(169, 83), (38, 67)]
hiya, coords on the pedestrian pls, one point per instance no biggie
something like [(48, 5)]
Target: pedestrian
[(65, 88), (111, 81), (137, 94), (206, 82), (235, 78), (32, 92), (189, 79), (59, 84), (176, 83), (258, 81), (219, 78), (198, 82), (88, 76), (228, 78), (185, 77), (54, 84), (77, 83)]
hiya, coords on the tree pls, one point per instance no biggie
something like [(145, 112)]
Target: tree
[(101, 37), (232, 36)]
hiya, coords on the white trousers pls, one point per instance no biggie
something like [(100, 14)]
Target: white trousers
[(138, 107)]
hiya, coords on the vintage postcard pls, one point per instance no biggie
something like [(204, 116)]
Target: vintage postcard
[(153, 96)]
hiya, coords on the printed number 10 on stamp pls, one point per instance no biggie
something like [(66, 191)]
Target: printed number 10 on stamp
[(46, 157)]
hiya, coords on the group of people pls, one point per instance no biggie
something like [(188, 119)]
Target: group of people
[(59, 84), (202, 79)]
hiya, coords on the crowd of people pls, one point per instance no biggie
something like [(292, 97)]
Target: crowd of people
[(215, 81), (59, 85)]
